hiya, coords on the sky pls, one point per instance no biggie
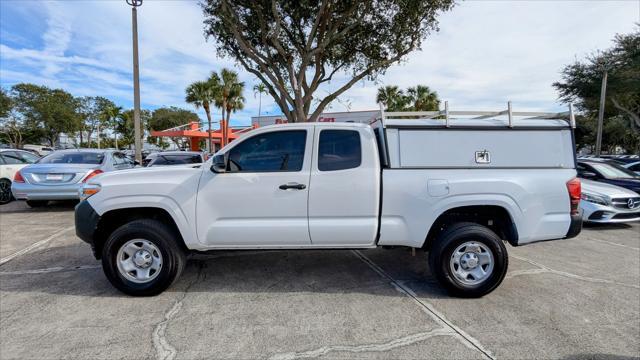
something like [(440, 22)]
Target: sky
[(485, 54)]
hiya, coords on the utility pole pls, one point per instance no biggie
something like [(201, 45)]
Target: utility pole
[(603, 92), (136, 80)]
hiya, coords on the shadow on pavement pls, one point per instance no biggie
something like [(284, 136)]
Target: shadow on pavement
[(291, 272), (18, 206)]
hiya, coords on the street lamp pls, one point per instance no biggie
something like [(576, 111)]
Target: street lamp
[(136, 79)]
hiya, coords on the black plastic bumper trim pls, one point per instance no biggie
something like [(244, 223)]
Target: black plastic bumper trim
[(86, 219), (576, 225)]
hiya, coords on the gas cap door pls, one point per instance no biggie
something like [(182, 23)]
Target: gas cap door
[(438, 187)]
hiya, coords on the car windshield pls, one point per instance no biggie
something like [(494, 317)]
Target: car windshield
[(94, 158), (177, 159), (614, 171)]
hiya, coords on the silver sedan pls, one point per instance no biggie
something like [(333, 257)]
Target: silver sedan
[(606, 203), (59, 175)]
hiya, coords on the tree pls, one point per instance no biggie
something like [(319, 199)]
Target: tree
[(294, 47), (229, 97), (259, 89), (422, 98), (391, 97), (202, 94), (169, 117), (581, 81), (50, 111), (110, 115), (6, 104), (124, 125), (417, 98)]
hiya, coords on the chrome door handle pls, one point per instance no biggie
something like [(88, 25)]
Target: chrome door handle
[(293, 186)]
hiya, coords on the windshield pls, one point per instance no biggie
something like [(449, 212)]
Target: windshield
[(177, 159), (94, 158), (614, 171)]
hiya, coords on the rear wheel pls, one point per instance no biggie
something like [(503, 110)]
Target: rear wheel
[(37, 203), (142, 258), (469, 260), (5, 191)]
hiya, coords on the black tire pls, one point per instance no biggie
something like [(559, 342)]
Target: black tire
[(163, 237), (451, 238), (5, 191), (37, 203)]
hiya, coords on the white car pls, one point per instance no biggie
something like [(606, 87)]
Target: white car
[(459, 190), (606, 203), (11, 161)]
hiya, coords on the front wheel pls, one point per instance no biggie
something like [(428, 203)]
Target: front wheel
[(469, 260), (142, 258)]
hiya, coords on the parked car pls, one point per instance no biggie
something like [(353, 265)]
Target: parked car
[(609, 172), (59, 175), (634, 166), (12, 160), (173, 158), (459, 190), (605, 203), (41, 150)]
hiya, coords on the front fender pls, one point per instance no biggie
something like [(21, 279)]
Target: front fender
[(177, 213)]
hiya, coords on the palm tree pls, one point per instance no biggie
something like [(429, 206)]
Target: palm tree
[(202, 94), (259, 89), (391, 97), (229, 97), (111, 114), (423, 99)]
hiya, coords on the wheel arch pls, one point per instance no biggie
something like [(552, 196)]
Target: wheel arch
[(113, 219), (496, 217)]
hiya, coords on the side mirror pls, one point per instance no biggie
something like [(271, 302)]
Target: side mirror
[(589, 175), (219, 164)]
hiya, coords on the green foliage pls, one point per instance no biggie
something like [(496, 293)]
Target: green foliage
[(124, 126), (294, 46), (170, 117), (581, 84), (6, 104), (50, 111), (418, 98)]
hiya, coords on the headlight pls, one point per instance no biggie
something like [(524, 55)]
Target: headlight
[(88, 190), (596, 199)]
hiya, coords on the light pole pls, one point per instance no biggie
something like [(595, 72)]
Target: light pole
[(603, 92), (136, 79)]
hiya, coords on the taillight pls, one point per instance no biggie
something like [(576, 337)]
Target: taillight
[(575, 189), (18, 177), (92, 174)]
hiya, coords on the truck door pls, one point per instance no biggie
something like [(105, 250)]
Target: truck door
[(262, 198), (344, 192)]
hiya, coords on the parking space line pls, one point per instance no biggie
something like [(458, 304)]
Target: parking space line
[(428, 308), (50, 270), (574, 276), (614, 244), (34, 246)]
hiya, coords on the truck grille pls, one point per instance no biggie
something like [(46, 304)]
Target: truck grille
[(626, 203)]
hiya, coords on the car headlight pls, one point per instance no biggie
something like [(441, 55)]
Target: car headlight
[(596, 199), (88, 190)]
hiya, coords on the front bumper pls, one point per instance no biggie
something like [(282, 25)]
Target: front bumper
[(606, 214), (26, 191), (87, 220)]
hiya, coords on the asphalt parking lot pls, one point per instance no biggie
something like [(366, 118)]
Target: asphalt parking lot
[(577, 298)]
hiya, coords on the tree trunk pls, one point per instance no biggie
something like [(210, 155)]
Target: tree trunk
[(259, 103)]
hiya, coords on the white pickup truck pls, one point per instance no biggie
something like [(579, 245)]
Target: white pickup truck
[(456, 187)]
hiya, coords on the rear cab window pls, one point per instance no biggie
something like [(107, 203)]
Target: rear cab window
[(339, 150)]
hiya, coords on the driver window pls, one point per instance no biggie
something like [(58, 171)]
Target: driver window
[(270, 152)]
